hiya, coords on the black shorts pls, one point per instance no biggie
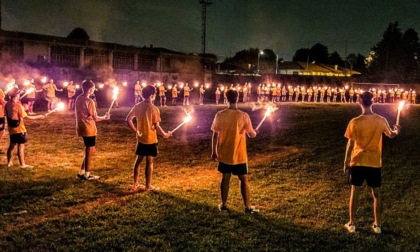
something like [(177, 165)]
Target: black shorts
[(2, 123), (238, 169), (89, 141), (147, 149), (358, 174), (19, 138)]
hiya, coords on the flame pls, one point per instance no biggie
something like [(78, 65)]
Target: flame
[(187, 118), (66, 83), (26, 82), (44, 79), (400, 105), (60, 106), (30, 90), (115, 93), (124, 83), (101, 85)]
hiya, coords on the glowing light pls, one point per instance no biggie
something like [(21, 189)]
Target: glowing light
[(196, 84), (114, 97), (124, 83), (207, 86), (28, 91), (60, 106), (44, 79), (77, 86), (268, 112), (169, 86), (144, 84), (26, 82), (187, 119), (101, 85), (65, 84)]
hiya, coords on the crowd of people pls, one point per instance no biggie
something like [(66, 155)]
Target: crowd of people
[(230, 128)]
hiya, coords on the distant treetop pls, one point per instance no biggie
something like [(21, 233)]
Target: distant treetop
[(78, 33)]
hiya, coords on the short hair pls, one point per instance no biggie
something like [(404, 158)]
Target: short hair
[(87, 84), (366, 98), (13, 92), (148, 91), (232, 96)]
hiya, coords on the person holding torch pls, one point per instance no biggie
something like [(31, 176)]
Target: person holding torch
[(15, 113), (148, 118), (363, 159), (86, 118), (230, 127)]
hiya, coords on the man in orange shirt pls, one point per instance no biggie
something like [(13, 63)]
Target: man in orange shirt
[(229, 148), (363, 157), (187, 91), (86, 118), (50, 89), (148, 118), (15, 113)]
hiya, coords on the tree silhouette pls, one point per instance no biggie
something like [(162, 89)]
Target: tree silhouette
[(78, 33)]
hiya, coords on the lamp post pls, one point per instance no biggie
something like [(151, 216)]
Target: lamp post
[(258, 62)]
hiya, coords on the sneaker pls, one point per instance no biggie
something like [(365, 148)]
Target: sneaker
[(251, 210), (27, 166), (350, 227), (376, 229), (223, 208), (91, 177)]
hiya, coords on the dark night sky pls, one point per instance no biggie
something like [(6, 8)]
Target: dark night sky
[(233, 25)]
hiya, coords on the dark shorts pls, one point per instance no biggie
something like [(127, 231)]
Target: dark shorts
[(89, 141), (358, 174), (238, 169), (19, 138), (147, 149), (31, 99), (2, 123)]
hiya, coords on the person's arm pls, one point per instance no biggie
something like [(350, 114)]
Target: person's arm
[(35, 117), (214, 142), (395, 132), (130, 123), (347, 157), (160, 131), (94, 114)]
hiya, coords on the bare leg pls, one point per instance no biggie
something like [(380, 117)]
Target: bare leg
[(377, 205), (9, 153), (136, 170), (245, 190), (224, 187), (354, 196), (149, 171), (21, 154)]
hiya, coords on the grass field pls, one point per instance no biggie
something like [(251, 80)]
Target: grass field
[(296, 180)]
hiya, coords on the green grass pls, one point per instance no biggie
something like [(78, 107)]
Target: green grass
[(296, 181)]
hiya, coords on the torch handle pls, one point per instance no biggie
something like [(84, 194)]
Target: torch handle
[(259, 125), (52, 111), (179, 126), (110, 107), (398, 117), (23, 95)]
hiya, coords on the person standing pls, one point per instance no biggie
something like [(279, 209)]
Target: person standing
[(363, 158), (187, 91), (148, 118), (217, 93), (137, 92), (86, 118), (71, 94), (174, 95), (15, 113), (50, 89), (202, 91), (230, 127), (162, 95)]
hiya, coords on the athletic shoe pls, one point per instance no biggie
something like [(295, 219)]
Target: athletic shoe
[(350, 227), (27, 166), (252, 210), (91, 177), (223, 208), (376, 229)]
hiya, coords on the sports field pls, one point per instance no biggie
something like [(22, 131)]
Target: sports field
[(296, 181)]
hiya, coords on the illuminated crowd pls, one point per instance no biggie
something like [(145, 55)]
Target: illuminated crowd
[(180, 93)]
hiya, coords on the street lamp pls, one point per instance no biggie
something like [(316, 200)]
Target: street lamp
[(258, 63)]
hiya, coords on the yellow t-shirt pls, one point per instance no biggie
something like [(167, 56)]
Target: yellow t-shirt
[(71, 91), (16, 111), (31, 94), (366, 132), (146, 115), (85, 110), (50, 89), (232, 124), (174, 92), (1, 106), (161, 90), (187, 91), (137, 90)]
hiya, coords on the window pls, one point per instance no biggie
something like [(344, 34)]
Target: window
[(123, 60), (96, 57), (64, 56), (12, 50)]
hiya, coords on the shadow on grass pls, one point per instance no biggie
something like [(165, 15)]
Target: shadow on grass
[(163, 222)]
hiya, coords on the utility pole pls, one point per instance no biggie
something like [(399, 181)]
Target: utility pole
[(204, 4)]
